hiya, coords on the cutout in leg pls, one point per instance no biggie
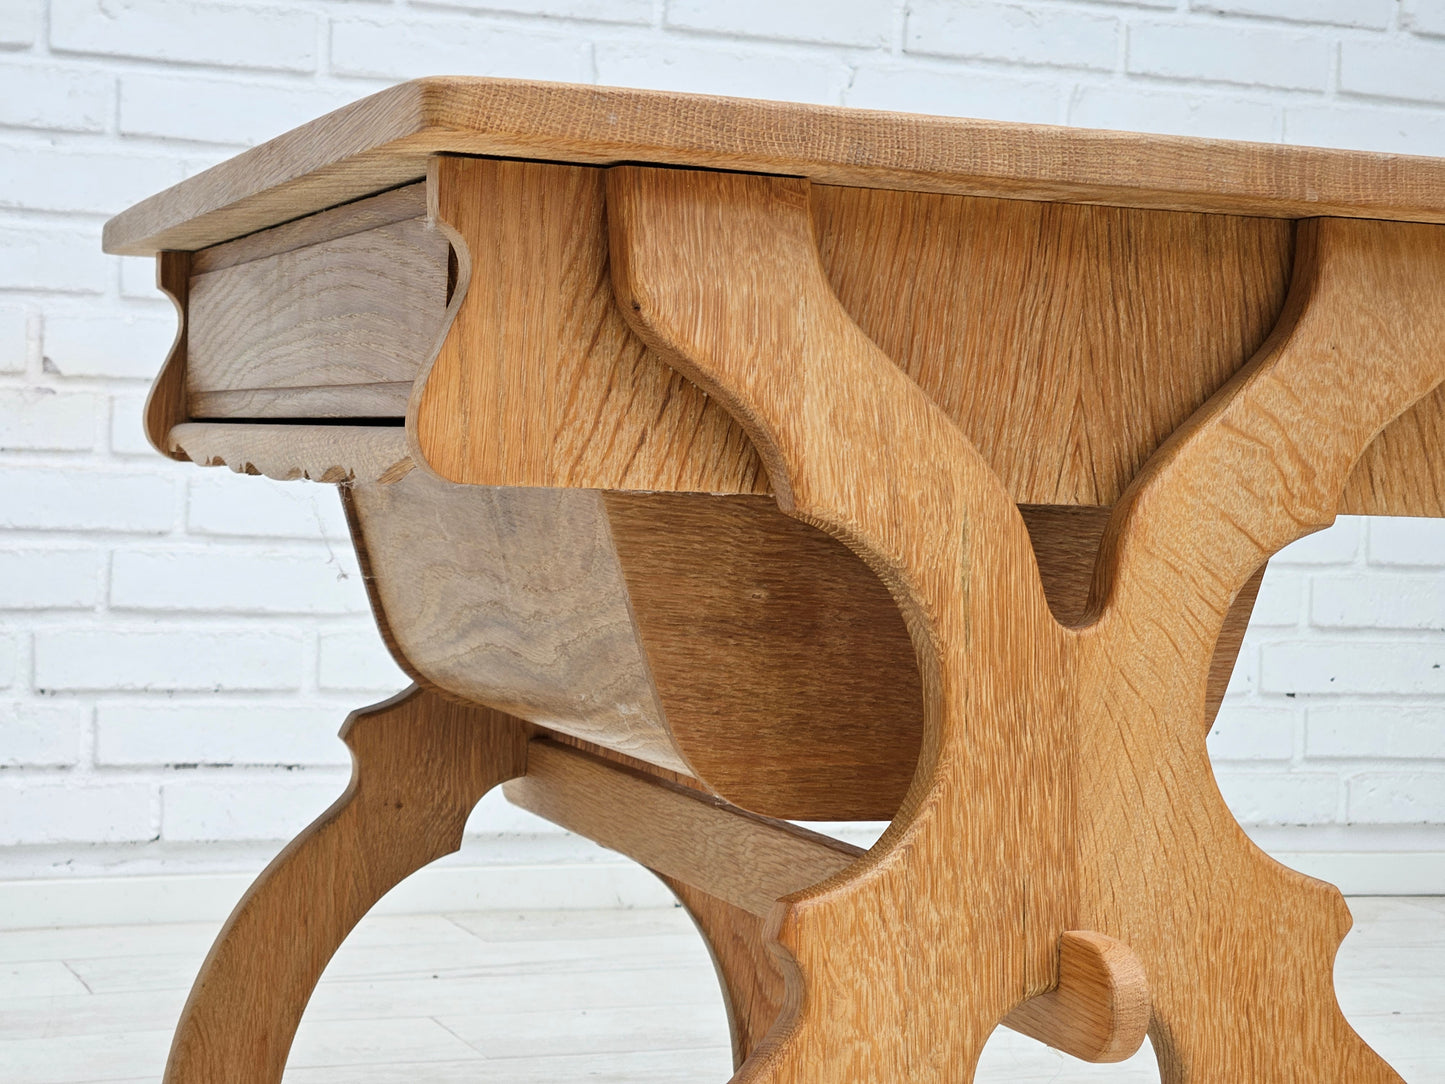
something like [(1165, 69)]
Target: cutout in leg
[(420, 764)]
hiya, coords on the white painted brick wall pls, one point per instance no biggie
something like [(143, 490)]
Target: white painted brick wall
[(178, 647)]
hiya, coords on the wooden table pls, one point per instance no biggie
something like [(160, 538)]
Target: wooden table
[(715, 464)]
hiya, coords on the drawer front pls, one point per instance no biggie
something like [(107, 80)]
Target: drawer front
[(298, 322)]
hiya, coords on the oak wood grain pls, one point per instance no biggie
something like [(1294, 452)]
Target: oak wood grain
[(752, 984), (948, 319), (1066, 341), (708, 635), (1066, 541), (513, 597), (385, 140), (781, 662), (743, 858), (1064, 782), (730, 867), (1102, 999), (359, 309), (1402, 472), (420, 765), (362, 216), (539, 381)]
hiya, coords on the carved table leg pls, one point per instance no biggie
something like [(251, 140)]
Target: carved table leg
[(420, 764), (1064, 783), (752, 984)]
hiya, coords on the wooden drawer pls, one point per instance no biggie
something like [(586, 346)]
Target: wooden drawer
[(330, 316)]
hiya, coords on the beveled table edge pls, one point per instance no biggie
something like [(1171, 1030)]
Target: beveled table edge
[(385, 139)]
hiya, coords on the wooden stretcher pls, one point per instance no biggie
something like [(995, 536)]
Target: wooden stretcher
[(719, 464)]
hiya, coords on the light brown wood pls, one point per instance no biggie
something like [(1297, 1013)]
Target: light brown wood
[(714, 637), (539, 382), (1065, 341), (1065, 541), (382, 402), (420, 765), (166, 404), (964, 317), (384, 140), (364, 308), (711, 636), (1100, 1009), (782, 665), (752, 984), (320, 453), (747, 860), (730, 868), (512, 597), (1064, 782), (1068, 389), (385, 209), (1402, 472)]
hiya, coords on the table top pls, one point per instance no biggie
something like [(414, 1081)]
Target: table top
[(384, 140)]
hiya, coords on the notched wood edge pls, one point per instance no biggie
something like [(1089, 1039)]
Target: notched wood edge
[(318, 453)]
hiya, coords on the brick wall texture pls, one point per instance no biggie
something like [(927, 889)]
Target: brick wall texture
[(178, 646)]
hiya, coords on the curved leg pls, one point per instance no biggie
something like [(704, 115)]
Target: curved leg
[(751, 982), (420, 764), (1064, 781), (902, 966)]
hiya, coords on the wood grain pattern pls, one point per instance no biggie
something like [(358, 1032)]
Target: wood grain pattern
[(708, 635), (320, 453), (733, 866), (963, 317), (1402, 472), (1102, 999), (1066, 341), (384, 209), (852, 443), (1064, 782), (360, 309), (539, 382), (1066, 541), (166, 404), (1263, 464), (781, 662), (513, 597), (743, 858), (711, 636), (752, 984), (420, 765), (1064, 389), (379, 402), (384, 140)]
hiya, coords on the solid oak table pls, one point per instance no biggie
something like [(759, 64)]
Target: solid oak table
[(715, 464)]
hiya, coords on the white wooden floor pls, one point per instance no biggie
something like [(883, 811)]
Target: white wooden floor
[(559, 996)]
